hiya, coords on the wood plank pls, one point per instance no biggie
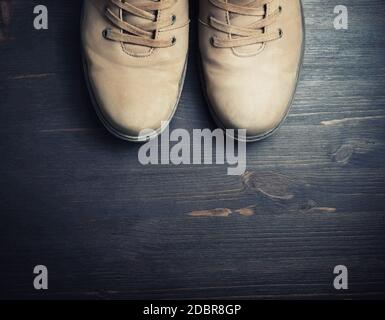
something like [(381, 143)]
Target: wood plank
[(76, 199)]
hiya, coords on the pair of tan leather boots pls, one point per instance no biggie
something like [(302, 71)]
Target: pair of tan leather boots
[(135, 57)]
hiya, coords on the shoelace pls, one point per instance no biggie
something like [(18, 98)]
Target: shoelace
[(251, 34), (142, 35)]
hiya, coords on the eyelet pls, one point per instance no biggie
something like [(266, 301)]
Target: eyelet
[(173, 41), (280, 9), (212, 41), (173, 19), (280, 32), (105, 32)]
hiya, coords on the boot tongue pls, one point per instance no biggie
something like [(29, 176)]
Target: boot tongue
[(137, 21), (244, 21), (252, 4)]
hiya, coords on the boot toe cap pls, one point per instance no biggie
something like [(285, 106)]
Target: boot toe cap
[(258, 111), (133, 108)]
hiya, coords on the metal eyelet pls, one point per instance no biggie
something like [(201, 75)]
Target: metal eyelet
[(173, 19), (105, 32)]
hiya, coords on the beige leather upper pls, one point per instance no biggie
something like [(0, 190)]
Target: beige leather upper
[(251, 87), (134, 87)]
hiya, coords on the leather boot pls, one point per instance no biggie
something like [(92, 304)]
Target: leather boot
[(135, 61), (251, 52)]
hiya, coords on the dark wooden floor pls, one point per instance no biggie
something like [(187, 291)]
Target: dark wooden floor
[(75, 199)]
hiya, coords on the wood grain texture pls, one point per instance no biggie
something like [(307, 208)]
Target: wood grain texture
[(75, 199)]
